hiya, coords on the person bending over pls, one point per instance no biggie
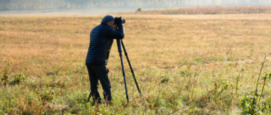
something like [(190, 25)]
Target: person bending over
[(101, 39)]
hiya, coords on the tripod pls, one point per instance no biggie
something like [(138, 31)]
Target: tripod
[(120, 43)]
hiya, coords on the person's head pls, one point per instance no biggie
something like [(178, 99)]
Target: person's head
[(109, 20)]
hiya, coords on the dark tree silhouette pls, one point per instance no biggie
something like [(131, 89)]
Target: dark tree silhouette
[(4, 4)]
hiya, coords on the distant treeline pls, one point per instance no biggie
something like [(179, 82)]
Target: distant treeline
[(60, 4), (210, 10)]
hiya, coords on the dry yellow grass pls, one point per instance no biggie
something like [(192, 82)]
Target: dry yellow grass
[(178, 59)]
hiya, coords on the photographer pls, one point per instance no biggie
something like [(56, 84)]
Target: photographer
[(101, 39)]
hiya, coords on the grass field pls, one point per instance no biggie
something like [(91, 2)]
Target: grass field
[(184, 64)]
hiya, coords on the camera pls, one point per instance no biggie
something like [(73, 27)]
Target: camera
[(119, 18)]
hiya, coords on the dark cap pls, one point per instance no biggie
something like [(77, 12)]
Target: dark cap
[(108, 18)]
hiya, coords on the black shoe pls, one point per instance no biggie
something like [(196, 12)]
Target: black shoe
[(97, 101), (109, 102)]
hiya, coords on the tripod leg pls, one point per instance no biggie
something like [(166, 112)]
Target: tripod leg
[(123, 72), (89, 96), (130, 67)]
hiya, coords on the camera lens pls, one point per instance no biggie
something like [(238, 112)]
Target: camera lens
[(123, 21)]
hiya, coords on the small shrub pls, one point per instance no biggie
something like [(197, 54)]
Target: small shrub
[(267, 105), (47, 96), (18, 79), (139, 9), (165, 80), (249, 106)]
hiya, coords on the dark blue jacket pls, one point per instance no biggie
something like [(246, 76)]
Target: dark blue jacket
[(101, 39)]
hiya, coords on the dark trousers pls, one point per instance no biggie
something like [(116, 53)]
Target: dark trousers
[(99, 72)]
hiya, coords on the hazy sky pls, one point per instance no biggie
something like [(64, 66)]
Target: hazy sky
[(94, 7)]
